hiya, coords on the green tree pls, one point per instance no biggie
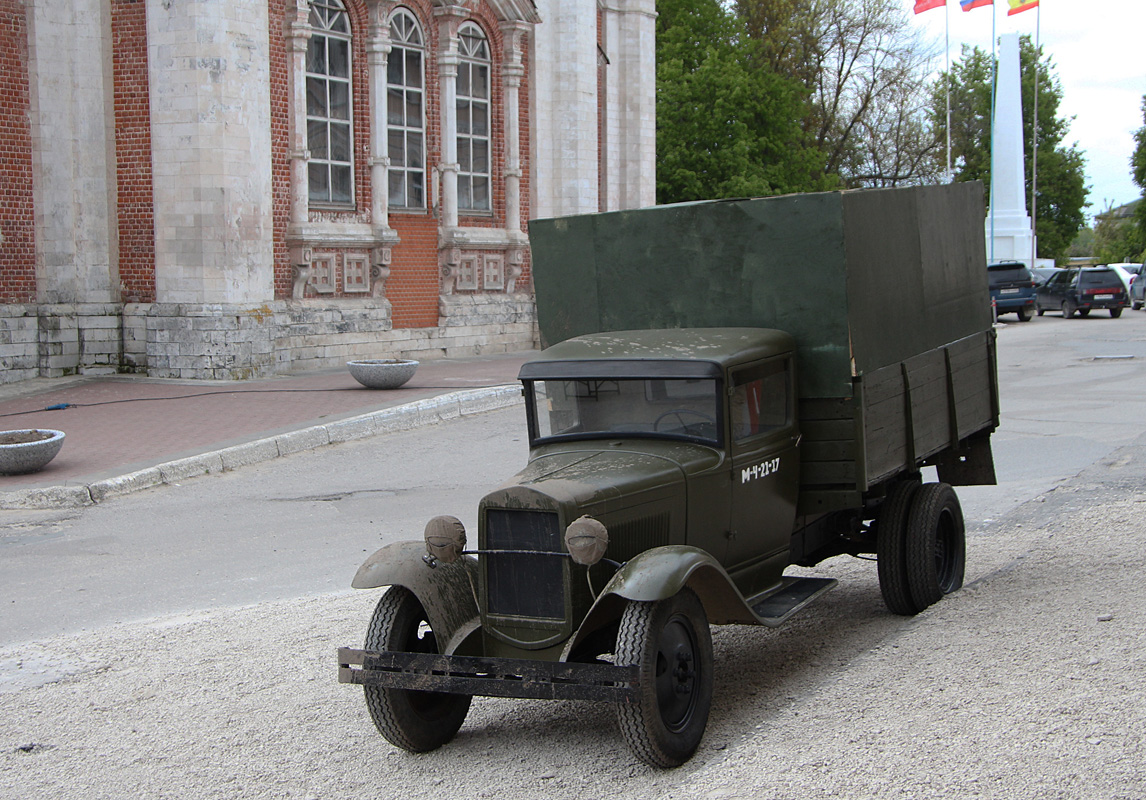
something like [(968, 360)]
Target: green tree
[(1138, 172), (865, 66), (1116, 235), (727, 126), (1061, 193)]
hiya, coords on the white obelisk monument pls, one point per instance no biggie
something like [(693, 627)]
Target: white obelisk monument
[(1009, 231)]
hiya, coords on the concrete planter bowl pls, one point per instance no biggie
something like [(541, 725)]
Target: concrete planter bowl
[(28, 450), (389, 373)]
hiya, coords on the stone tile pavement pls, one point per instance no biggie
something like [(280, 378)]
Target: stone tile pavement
[(125, 433)]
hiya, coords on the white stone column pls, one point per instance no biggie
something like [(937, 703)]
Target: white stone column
[(378, 53), (297, 39), (563, 99), (209, 73), (449, 20), (1008, 226), (73, 150), (629, 155), (512, 70)]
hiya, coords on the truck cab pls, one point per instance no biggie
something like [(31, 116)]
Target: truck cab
[(677, 437)]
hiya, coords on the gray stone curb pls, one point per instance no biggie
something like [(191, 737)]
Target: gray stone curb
[(389, 420)]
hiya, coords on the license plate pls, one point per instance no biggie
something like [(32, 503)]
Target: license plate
[(1009, 291), (1104, 297)]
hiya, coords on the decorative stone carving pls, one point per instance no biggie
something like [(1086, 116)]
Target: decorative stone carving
[(449, 259), (514, 268), (380, 271), (301, 259)]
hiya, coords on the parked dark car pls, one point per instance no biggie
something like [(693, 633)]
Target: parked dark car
[(1138, 292), (1012, 289), (1082, 290), (1138, 289), (1044, 274)]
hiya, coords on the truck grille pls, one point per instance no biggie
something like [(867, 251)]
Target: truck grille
[(524, 585)]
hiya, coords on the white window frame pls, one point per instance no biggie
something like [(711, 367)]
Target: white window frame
[(474, 120), (326, 130), (405, 135)]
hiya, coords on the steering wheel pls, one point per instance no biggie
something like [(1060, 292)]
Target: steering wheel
[(680, 414)]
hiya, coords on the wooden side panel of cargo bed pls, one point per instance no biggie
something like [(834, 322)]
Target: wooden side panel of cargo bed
[(831, 455), (926, 404)]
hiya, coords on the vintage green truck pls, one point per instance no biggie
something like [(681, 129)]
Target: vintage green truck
[(730, 390)]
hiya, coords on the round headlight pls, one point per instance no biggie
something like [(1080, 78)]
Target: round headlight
[(586, 540), (445, 539)]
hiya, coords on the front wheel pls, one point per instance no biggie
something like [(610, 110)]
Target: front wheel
[(1137, 306), (1068, 309), (415, 721), (669, 640), (1024, 314)]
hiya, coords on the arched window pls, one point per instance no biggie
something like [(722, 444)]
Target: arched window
[(473, 92), (405, 112), (328, 121)]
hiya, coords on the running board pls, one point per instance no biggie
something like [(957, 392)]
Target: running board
[(776, 607)]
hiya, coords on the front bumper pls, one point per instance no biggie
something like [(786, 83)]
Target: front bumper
[(489, 677)]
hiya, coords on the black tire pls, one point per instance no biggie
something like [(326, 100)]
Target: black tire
[(1024, 314), (1136, 305), (415, 721), (1115, 313), (1068, 310), (1040, 311), (670, 641), (1084, 312), (891, 548), (936, 544)]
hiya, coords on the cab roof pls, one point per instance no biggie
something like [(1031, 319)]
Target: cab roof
[(708, 350)]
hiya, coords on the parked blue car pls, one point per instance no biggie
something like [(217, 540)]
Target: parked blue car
[(1012, 289)]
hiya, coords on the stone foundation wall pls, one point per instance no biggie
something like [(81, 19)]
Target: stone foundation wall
[(50, 341), (237, 342)]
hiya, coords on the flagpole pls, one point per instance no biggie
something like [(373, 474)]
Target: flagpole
[(947, 54), (1035, 138), (992, 132)]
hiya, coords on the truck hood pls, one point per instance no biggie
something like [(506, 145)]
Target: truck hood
[(590, 476)]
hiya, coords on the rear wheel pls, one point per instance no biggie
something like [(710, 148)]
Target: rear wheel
[(669, 640), (1137, 306), (1084, 312), (1024, 314), (1116, 313), (415, 721), (936, 544), (891, 548), (1068, 309)]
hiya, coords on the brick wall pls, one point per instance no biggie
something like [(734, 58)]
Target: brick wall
[(17, 249), (133, 152)]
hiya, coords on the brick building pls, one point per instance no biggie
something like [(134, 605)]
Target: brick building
[(237, 188)]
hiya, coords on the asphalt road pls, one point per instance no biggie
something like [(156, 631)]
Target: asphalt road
[(180, 642)]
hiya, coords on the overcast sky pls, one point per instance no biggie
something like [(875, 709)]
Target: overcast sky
[(1099, 52)]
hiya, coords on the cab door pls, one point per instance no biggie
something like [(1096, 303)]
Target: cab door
[(763, 443)]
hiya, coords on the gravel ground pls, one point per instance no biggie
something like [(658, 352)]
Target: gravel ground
[(1028, 683)]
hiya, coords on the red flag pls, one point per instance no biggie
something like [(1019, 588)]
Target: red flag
[(927, 5)]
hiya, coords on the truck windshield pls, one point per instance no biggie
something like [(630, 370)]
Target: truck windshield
[(588, 408)]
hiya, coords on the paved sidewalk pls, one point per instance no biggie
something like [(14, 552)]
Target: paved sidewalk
[(126, 433)]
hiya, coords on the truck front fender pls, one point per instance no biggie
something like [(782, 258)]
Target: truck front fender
[(446, 592), (660, 573)]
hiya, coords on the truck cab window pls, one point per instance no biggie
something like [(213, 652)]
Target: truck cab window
[(672, 407), (761, 400)]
